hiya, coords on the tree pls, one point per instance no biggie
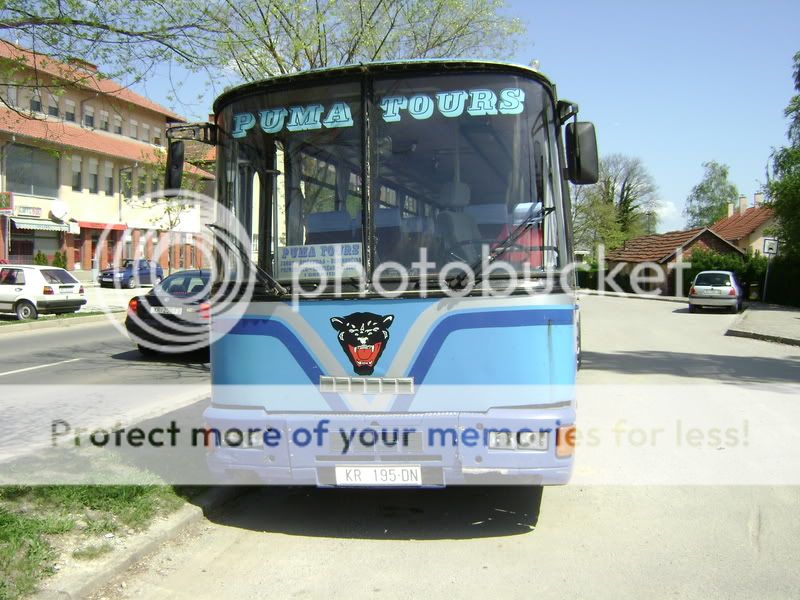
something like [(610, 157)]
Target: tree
[(239, 39), (126, 39), (783, 188), (269, 37), (620, 206), (594, 220), (164, 214), (708, 201)]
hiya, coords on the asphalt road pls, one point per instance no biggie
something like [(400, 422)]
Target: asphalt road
[(89, 375), (596, 541)]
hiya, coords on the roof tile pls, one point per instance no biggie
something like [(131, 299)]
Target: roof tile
[(743, 224), (81, 78)]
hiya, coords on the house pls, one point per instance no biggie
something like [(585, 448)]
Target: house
[(77, 154), (655, 255), (747, 226)]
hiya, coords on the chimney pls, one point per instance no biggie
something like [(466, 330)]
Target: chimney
[(742, 204), (758, 199), (730, 209)]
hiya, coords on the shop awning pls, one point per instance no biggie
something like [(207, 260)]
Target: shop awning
[(39, 224), (93, 225)]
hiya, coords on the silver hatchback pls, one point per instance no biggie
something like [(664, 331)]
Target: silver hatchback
[(717, 289)]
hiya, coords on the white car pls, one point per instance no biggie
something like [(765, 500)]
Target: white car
[(716, 289), (31, 290)]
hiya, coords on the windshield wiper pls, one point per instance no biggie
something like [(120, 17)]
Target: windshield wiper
[(535, 217), (272, 284)]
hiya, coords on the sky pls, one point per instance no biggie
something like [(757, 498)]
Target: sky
[(673, 83)]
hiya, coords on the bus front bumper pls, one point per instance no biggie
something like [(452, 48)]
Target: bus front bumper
[(444, 448)]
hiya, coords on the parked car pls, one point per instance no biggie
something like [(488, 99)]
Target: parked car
[(131, 273), (718, 289), (31, 290), (173, 316)]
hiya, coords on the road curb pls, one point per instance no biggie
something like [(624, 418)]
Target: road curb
[(762, 336), (82, 585), (674, 299), (55, 323)]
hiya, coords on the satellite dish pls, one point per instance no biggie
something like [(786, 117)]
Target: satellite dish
[(59, 210)]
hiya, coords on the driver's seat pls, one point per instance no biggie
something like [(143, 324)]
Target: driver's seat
[(457, 230)]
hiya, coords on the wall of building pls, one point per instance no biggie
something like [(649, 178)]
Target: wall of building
[(97, 206)]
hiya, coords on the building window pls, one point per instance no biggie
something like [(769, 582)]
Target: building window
[(109, 179), (77, 174), (133, 129), (94, 177), (31, 171), (11, 95), (157, 137), (104, 120), (146, 133), (69, 110), (36, 102), (142, 186), (52, 108), (118, 125), (88, 116)]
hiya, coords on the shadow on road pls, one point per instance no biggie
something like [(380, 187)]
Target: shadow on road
[(188, 358), (725, 368), (450, 513)]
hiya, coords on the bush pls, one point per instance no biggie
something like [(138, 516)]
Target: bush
[(783, 286), (40, 258), (60, 260)]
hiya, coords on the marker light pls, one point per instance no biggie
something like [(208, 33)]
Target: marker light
[(565, 441)]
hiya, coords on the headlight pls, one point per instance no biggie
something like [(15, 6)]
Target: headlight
[(118, 275), (532, 440)]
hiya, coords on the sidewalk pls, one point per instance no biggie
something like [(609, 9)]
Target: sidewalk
[(768, 322)]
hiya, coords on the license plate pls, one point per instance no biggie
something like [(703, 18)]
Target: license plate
[(106, 279), (165, 310), (373, 475), (66, 291), (715, 292)]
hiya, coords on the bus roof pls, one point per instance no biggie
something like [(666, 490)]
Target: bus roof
[(393, 66)]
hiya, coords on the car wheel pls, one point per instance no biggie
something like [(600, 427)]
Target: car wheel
[(131, 283), (692, 308), (25, 310), (734, 309)]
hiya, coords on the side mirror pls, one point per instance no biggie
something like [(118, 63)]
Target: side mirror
[(174, 175), (583, 164)]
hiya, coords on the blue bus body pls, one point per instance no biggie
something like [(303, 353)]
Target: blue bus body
[(426, 386)]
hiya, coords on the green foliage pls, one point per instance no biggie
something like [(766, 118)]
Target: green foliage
[(708, 201), (620, 206), (40, 258), (707, 260), (784, 281), (783, 188), (262, 38), (60, 260)]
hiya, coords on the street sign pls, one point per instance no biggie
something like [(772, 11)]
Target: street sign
[(6, 203), (770, 246)]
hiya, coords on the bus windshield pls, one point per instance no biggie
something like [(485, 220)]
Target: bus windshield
[(443, 168)]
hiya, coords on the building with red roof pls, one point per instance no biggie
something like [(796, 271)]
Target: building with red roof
[(657, 254), (77, 153), (747, 226)]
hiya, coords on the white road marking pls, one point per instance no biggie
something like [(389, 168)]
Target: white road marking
[(61, 362)]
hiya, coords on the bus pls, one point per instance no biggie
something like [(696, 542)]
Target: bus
[(393, 300)]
